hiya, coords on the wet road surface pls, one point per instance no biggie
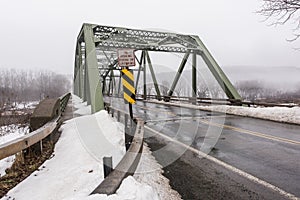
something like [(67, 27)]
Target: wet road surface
[(265, 149)]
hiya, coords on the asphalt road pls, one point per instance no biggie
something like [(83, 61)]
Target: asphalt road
[(267, 150)]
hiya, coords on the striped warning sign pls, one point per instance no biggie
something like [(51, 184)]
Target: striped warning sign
[(128, 86)]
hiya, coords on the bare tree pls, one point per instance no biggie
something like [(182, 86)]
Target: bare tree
[(283, 11)]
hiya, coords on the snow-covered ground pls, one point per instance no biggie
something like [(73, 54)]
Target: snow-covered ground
[(11, 132), (75, 169), (279, 114), (8, 133)]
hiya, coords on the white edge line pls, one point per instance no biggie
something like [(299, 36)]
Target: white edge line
[(227, 166)]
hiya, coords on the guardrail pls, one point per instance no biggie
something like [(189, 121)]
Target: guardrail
[(17, 145), (134, 133)]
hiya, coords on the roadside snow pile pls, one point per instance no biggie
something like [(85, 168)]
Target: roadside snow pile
[(75, 169), (5, 164), (130, 189), (149, 171), (280, 114), (76, 165), (81, 107)]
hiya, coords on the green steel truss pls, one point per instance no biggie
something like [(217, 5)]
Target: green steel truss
[(96, 58)]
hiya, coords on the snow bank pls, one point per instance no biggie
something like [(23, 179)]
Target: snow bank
[(75, 169), (5, 164), (130, 189), (149, 171), (76, 165), (279, 114)]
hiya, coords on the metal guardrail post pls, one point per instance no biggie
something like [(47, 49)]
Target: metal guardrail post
[(107, 166)]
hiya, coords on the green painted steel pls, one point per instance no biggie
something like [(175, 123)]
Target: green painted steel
[(76, 77), (96, 56), (80, 72), (178, 74), (94, 86), (139, 72), (153, 76), (145, 81), (216, 70)]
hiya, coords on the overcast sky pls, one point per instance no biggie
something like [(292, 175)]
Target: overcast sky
[(42, 33)]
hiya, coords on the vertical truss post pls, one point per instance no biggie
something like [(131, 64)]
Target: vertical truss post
[(194, 76), (110, 86), (217, 72), (80, 71), (153, 76), (145, 76), (95, 87), (114, 84), (86, 96), (119, 88), (139, 72), (76, 72), (178, 74)]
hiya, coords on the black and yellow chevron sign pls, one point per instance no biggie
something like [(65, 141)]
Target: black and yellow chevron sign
[(128, 86)]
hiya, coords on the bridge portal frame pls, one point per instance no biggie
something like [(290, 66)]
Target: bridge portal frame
[(91, 71)]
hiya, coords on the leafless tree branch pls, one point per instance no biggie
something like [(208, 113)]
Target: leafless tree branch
[(283, 11)]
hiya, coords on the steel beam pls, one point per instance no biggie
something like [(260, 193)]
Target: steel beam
[(217, 72), (153, 76), (76, 70), (139, 72), (94, 85), (119, 88), (178, 74), (194, 76), (145, 75), (80, 71)]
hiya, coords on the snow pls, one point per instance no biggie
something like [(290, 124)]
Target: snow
[(11, 132), (130, 189), (5, 164), (75, 168), (8, 133), (279, 114), (149, 171), (28, 105)]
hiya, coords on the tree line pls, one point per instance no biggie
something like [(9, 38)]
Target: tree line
[(22, 86)]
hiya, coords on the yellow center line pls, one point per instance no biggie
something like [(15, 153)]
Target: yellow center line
[(262, 135)]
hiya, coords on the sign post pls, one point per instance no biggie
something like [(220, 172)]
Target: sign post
[(126, 59)]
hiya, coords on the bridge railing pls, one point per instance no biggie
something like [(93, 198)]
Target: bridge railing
[(215, 101), (134, 133), (19, 144)]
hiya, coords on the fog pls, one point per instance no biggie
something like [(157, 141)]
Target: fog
[(42, 34)]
